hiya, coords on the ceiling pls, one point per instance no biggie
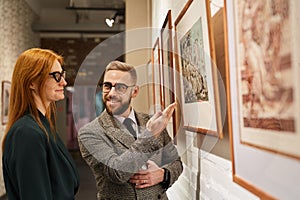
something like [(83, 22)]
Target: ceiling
[(78, 16)]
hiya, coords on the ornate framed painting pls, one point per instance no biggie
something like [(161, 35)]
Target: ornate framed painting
[(5, 100), (265, 96), (195, 60)]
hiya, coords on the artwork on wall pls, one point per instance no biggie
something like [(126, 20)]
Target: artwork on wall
[(156, 71), (265, 93), (5, 100), (167, 60), (150, 86), (168, 69), (195, 57)]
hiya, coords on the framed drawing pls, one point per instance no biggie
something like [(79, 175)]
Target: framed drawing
[(167, 60), (156, 71), (150, 86), (198, 75), (168, 69), (265, 97), (5, 100)]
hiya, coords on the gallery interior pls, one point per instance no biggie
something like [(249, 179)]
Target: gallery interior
[(232, 66)]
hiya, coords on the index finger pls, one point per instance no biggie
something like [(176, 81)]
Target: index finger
[(169, 110)]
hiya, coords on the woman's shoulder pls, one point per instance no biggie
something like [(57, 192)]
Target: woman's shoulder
[(26, 126), (26, 121), (24, 134)]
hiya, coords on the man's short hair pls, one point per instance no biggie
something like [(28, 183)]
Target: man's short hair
[(122, 66)]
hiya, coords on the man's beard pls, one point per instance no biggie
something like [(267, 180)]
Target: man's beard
[(120, 110)]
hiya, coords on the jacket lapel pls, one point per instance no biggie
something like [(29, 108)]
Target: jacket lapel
[(141, 120), (114, 129)]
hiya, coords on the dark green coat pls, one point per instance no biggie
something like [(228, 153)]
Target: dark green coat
[(34, 168)]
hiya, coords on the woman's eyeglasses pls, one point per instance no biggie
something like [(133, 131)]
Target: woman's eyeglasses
[(57, 75), (120, 88)]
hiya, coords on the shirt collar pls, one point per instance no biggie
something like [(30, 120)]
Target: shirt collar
[(131, 116)]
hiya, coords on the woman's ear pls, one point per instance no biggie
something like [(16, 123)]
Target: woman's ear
[(135, 91), (33, 86)]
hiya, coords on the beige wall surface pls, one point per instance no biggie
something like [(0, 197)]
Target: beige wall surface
[(138, 41)]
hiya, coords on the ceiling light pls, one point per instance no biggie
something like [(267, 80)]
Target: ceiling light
[(109, 22)]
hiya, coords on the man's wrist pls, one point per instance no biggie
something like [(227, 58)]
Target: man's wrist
[(166, 180)]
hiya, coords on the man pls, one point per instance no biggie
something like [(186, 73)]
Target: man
[(138, 165)]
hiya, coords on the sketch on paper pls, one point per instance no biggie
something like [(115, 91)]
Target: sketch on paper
[(265, 65), (193, 65)]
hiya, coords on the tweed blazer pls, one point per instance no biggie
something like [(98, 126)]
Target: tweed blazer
[(114, 156)]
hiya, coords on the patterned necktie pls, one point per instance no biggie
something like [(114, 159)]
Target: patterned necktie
[(128, 124)]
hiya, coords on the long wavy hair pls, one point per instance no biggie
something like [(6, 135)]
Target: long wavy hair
[(33, 65)]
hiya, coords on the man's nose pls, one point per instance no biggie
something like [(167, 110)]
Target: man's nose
[(112, 90)]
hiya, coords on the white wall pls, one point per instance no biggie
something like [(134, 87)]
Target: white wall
[(205, 176)]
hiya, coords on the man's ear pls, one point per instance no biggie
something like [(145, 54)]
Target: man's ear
[(135, 91)]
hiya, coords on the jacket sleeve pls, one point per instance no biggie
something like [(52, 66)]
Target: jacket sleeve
[(29, 164), (171, 159)]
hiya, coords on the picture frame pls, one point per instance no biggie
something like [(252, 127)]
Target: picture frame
[(6, 85), (157, 73), (150, 85), (264, 127), (167, 60), (195, 58), (168, 69)]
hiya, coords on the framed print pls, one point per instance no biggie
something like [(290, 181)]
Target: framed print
[(156, 71), (168, 69), (265, 97), (5, 100), (150, 86), (167, 60), (198, 75)]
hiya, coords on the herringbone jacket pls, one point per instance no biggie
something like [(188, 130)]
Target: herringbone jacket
[(114, 156)]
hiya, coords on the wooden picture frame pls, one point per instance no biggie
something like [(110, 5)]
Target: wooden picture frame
[(195, 60), (150, 86), (265, 97), (157, 73), (6, 85), (168, 69)]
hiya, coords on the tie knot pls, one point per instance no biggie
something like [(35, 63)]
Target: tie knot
[(128, 124), (127, 121)]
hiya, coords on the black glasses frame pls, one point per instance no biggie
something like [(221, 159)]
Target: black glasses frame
[(120, 88), (57, 75)]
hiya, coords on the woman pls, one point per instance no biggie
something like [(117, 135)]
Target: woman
[(36, 164)]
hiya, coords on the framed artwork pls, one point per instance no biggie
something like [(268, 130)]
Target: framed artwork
[(157, 73), (168, 69), (150, 85), (198, 76), (5, 100), (265, 97)]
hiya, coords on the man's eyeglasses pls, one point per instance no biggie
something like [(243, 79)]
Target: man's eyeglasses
[(57, 75), (120, 88)]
